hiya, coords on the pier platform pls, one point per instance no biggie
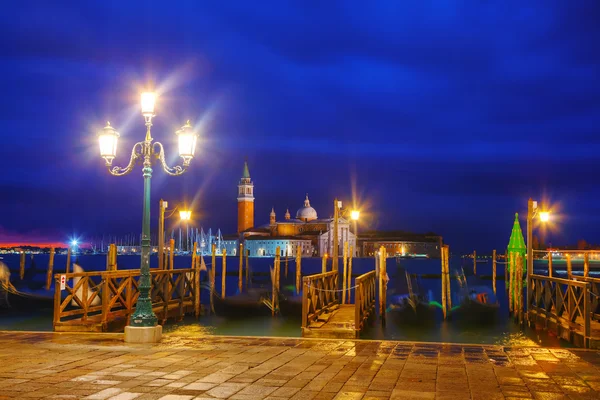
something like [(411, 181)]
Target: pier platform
[(54, 365)]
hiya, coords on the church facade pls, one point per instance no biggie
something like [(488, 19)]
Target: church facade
[(306, 233)]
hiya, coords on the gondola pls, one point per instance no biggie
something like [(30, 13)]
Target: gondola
[(13, 300), (410, 305), (290, 303), (477, 303), (251, 303)]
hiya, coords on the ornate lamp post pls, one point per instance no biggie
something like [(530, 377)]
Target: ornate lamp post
[(146, 152)]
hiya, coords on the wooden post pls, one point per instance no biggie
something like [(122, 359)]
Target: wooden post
[(247, 268), (274, 294), (587, 319), (550, 264), (241, 269), (336, 239), (474, 262), (298, 269), (22, 266), (520, 276), (444, 282), (213, 274), (494, 270), (196, 280), (68, 261), (586, 264), (112, 257), (114, 264), (171, 254), (382, 283), (50, 269), (350, 277), (223, 272), (448, 291), (506, 272), (286, 263), (511, 266), (345, 276), (324, 264), (569, 267), (161, 233)]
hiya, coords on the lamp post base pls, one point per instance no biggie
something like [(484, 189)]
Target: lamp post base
[(143, 334)]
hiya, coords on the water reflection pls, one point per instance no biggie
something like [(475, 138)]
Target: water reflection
[(500, 330)]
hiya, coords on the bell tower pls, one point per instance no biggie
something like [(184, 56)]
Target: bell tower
[(245, 201)]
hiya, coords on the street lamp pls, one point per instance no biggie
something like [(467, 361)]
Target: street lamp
[(146, 152), (532, 212), (337, 211)]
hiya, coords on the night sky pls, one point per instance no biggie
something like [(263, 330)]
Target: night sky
[(442, 117)]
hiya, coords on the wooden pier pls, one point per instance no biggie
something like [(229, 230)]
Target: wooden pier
[(566, 307), (104, 301), (323, 315)]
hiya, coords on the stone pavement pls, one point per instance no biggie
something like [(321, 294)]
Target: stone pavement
[(102, 366)]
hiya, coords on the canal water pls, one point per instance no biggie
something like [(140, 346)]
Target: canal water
[(498, 330)]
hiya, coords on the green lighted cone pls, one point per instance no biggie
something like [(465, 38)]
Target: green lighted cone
[(516, 244)]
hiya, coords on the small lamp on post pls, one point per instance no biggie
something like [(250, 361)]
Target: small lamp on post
[(532, 212)]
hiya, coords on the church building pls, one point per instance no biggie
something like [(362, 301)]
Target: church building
[(305, 233)]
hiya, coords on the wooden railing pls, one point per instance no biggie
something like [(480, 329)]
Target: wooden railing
[(319, 295), (98, 297), (562, 300), (364, 299), (594, 295)]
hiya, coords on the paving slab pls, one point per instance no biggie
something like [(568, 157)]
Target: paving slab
[(46, 365)]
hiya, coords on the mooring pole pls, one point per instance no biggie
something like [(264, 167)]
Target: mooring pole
[(172, 254), (298, 269), (569, 267), (22, 266), (345, 276), (68, 260), (161, 233), (443, 261), (350, 275), (241, 268), (223, 272), (494, 270), (213, 275), (550, 264), (50, 269), (448, 287)]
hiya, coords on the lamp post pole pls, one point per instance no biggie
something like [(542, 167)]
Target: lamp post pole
[(336, 211), (529, 249), (146, 151)]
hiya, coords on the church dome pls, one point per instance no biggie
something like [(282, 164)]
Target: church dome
[(306, 213)]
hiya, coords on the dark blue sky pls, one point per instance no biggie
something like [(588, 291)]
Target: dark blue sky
[(444, 116)]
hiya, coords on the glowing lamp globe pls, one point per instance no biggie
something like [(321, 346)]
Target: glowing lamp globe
[(148, 99), (187, 142), (355, 214), (185, 215), (107, 139), (545, 216)]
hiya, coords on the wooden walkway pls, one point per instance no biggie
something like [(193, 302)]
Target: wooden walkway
[(322, 314), (566, 307)]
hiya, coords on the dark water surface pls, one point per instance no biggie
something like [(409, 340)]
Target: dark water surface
[(500, 330)]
